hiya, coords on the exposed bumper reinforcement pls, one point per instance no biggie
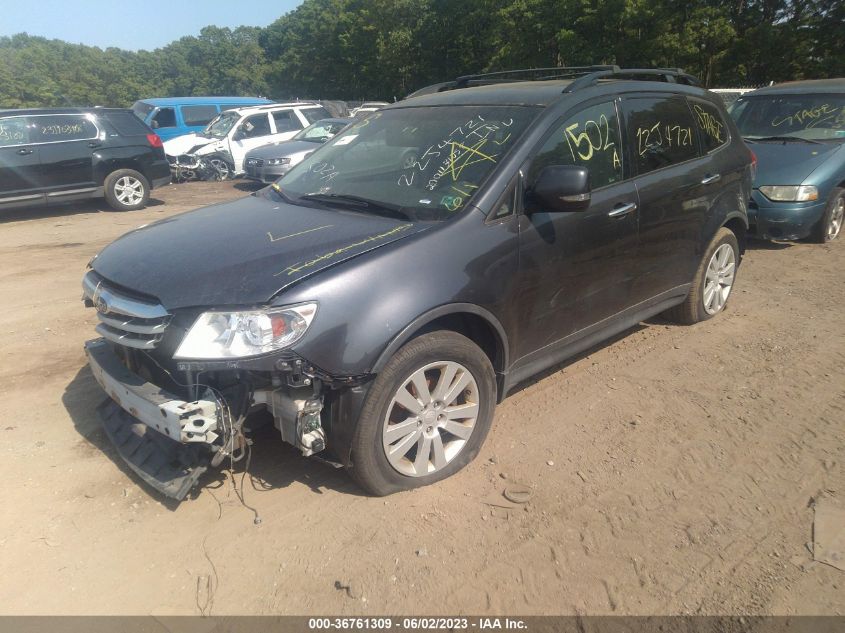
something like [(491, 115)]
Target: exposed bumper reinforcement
[(163, 439), (168, 466)]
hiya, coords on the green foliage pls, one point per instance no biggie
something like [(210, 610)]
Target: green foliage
[(357, 49)]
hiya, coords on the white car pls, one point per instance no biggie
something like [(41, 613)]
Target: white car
[(235, 132), (367, 107)]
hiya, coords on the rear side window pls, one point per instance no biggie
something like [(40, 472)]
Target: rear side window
[(14, 131), (315, 114), (198, 114), (589, 138), (660, 132), (52, 128), (712, 131), (165, 117), (286, 121), (256, 125), (125, 123)]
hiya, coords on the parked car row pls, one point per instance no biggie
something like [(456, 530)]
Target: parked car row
[(407, 269)]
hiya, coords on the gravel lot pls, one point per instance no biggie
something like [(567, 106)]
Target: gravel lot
[(672, 470)]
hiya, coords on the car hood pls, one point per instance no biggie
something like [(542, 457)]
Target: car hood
[(242, 252), (286, 148), (185, 143), (789, 163)]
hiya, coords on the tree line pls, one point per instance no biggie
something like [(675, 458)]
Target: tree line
[(384, 49)]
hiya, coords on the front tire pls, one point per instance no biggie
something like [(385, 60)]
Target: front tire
[(426, 415), (832, 220), (713, 281), (126, 190)]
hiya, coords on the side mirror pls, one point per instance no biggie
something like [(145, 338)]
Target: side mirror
[(238, 135), (154, 124), (562, 188)]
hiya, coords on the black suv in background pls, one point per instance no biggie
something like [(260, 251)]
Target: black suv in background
[(58, 155), (379, 307)]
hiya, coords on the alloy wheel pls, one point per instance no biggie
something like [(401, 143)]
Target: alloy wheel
[(129, 190), (430, 418), (836, 219), (719, 279)]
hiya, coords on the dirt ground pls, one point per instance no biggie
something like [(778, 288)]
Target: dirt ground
[(673, 470)]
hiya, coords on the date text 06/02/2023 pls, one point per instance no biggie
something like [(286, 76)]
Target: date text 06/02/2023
[(416, 623)]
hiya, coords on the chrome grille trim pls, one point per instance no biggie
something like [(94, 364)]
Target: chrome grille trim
[(124, 320)]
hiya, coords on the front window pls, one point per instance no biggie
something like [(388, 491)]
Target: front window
[(221, 125), (321, 131), (809, 117), (419, 163)]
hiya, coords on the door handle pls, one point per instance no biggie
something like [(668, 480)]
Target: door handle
[(24, 151), (622, 209), (94, 144), (711, 179)]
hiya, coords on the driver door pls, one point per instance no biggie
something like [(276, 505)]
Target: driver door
[(576, 268)]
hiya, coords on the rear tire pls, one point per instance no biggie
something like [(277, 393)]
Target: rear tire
[(441, 425), (126, 190), (716, 274), (832, 220)]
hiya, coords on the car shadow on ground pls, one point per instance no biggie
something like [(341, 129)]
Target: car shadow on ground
[(529, 382), (273, 465), (64, 209), (249, 185), (765, 245)]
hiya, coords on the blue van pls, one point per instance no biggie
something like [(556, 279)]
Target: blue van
[(175, 116)]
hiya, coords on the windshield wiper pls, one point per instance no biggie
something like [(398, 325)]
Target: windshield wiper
[(357, 202), (754, 139)]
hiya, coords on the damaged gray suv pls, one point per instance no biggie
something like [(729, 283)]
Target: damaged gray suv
[(385, 294)]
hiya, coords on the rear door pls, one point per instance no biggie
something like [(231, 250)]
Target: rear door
[(253, 131), (673, 188), (286, 124), (19, 165), (576, 268), (67, 143)]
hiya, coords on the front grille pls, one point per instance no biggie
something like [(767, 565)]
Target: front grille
[(255, 162), (124, 319)]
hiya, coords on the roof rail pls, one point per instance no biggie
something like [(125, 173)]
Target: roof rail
[(670, 75), (528, 74), (583, 77)]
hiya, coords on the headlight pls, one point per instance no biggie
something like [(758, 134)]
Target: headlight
[(249, 333), (278, 161), (790, 193)]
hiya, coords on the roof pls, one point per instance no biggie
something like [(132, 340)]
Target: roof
[(535, 93), (807, 86), (25, 111), (169, 101), (540, 93), (253, 109)]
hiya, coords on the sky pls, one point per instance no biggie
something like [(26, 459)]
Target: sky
[(139, 24)]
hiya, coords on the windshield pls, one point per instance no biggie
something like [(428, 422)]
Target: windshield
[(810, 117), (426, 162), (221, 124), (321, 131)]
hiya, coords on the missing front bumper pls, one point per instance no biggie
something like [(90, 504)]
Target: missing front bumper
[(166, 441), (169, 467)]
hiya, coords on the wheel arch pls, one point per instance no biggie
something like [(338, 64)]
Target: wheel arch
[(476, 323), (739, 225)]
